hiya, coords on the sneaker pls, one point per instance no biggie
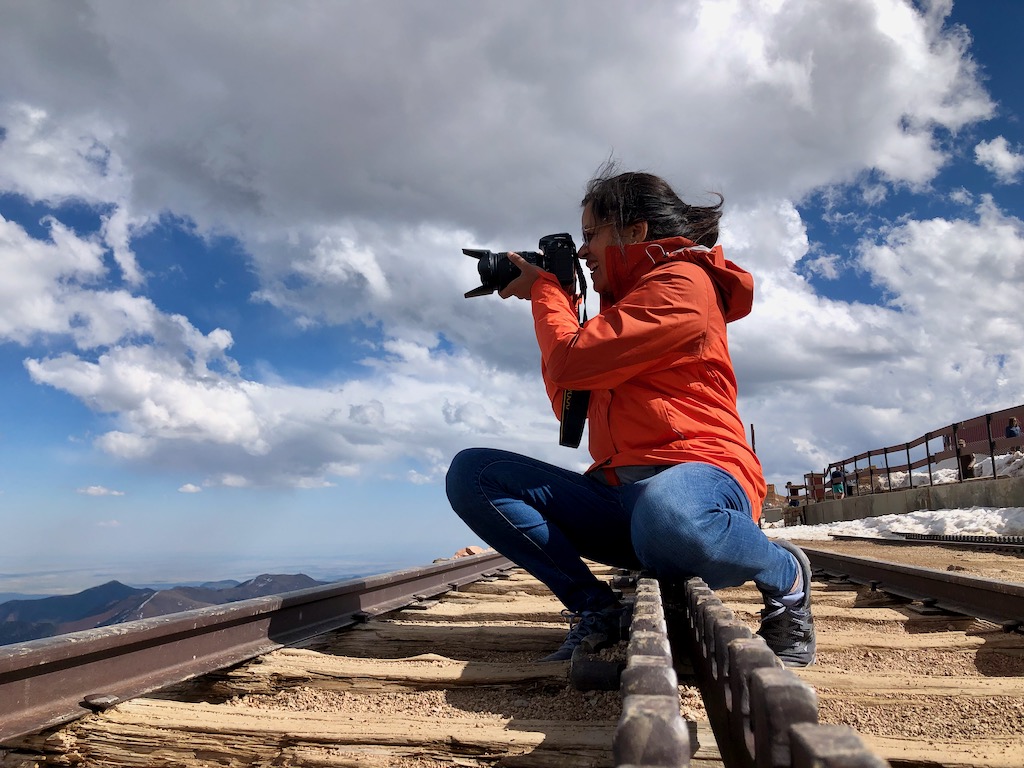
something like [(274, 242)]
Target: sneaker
[(786, 622), (601, 626)]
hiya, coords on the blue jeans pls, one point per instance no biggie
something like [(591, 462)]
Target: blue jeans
[(689, 520)]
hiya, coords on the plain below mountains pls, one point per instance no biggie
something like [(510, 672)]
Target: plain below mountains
[(114, 603)]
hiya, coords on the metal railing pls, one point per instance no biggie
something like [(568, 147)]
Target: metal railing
[(957, 446)]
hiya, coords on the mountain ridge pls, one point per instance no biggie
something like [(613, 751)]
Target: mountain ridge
[(115, 603)]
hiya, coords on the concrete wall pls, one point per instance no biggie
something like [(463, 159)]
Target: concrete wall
[(981, 492)]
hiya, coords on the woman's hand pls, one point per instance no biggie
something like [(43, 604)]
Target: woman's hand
[(522, 285)]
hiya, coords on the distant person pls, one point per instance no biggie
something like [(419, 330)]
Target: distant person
[(794, 495), (838, 484), (1013, 430), (675, 487), (967, 461)]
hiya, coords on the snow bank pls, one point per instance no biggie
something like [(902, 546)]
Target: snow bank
[(975, 521)]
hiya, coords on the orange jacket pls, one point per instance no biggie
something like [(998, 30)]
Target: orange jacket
[(656, 359)]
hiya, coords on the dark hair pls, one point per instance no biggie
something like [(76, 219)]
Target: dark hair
[(626, 198)]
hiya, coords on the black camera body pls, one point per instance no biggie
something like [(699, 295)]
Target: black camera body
[(557, 255)]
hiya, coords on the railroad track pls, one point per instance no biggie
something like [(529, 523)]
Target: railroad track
[(451, 679), (959, 541)]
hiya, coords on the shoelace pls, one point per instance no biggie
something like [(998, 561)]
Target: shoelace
[(579, 621), (780, 622)]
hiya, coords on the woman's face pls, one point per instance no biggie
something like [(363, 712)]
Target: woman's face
[(597, 236)]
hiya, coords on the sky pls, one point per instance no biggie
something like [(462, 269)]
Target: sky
[(232, 324)]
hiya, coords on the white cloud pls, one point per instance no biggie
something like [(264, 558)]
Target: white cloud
[(54, 288), (203, 104), (419, 403), (997, 156), (99, 490), (962, 196), (109, 524), (190, 488), (158, 395), (827, 265), (52, 161), (231, 481), (843, 374), (40, 277)]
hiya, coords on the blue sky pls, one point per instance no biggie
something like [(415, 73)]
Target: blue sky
[(232, 331)]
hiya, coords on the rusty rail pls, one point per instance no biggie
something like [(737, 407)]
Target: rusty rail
[(1001, 602), (47, 682)]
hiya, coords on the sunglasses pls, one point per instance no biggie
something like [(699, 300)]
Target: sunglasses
[(588, 234)]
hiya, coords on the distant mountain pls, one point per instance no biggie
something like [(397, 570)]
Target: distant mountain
[(222, 584), (5, 596), (115, 603)]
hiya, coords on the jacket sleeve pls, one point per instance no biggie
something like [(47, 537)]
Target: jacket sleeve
[(561, 304), (662, 321)]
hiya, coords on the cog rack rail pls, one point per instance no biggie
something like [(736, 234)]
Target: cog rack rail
[(762, 715)]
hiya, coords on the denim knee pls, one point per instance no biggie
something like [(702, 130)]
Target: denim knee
[(687, 519), (462, 476)]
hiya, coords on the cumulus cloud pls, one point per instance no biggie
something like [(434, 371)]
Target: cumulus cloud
[(998, 157), (923, 359), (54, 161), (771, 99), (190, 488)]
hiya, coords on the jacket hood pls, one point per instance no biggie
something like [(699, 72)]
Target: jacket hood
[(625, 266)]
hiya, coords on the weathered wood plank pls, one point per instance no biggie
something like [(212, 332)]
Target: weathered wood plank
[(988, 752), (839, 640), (391, 639), (291, 667), (527, 608), (886, 684), (161, 734)]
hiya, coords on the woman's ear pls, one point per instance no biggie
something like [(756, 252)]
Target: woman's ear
[(637, 232)]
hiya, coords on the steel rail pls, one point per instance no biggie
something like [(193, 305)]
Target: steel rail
[(47, 682), (1001, 602)]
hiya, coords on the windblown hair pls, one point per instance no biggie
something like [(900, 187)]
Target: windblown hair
[(626, 198)]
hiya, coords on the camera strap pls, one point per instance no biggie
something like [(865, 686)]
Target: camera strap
[(582, 281), (574, 416), (575, 402)]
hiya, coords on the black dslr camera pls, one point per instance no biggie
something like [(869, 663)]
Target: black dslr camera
[(557, 256)]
